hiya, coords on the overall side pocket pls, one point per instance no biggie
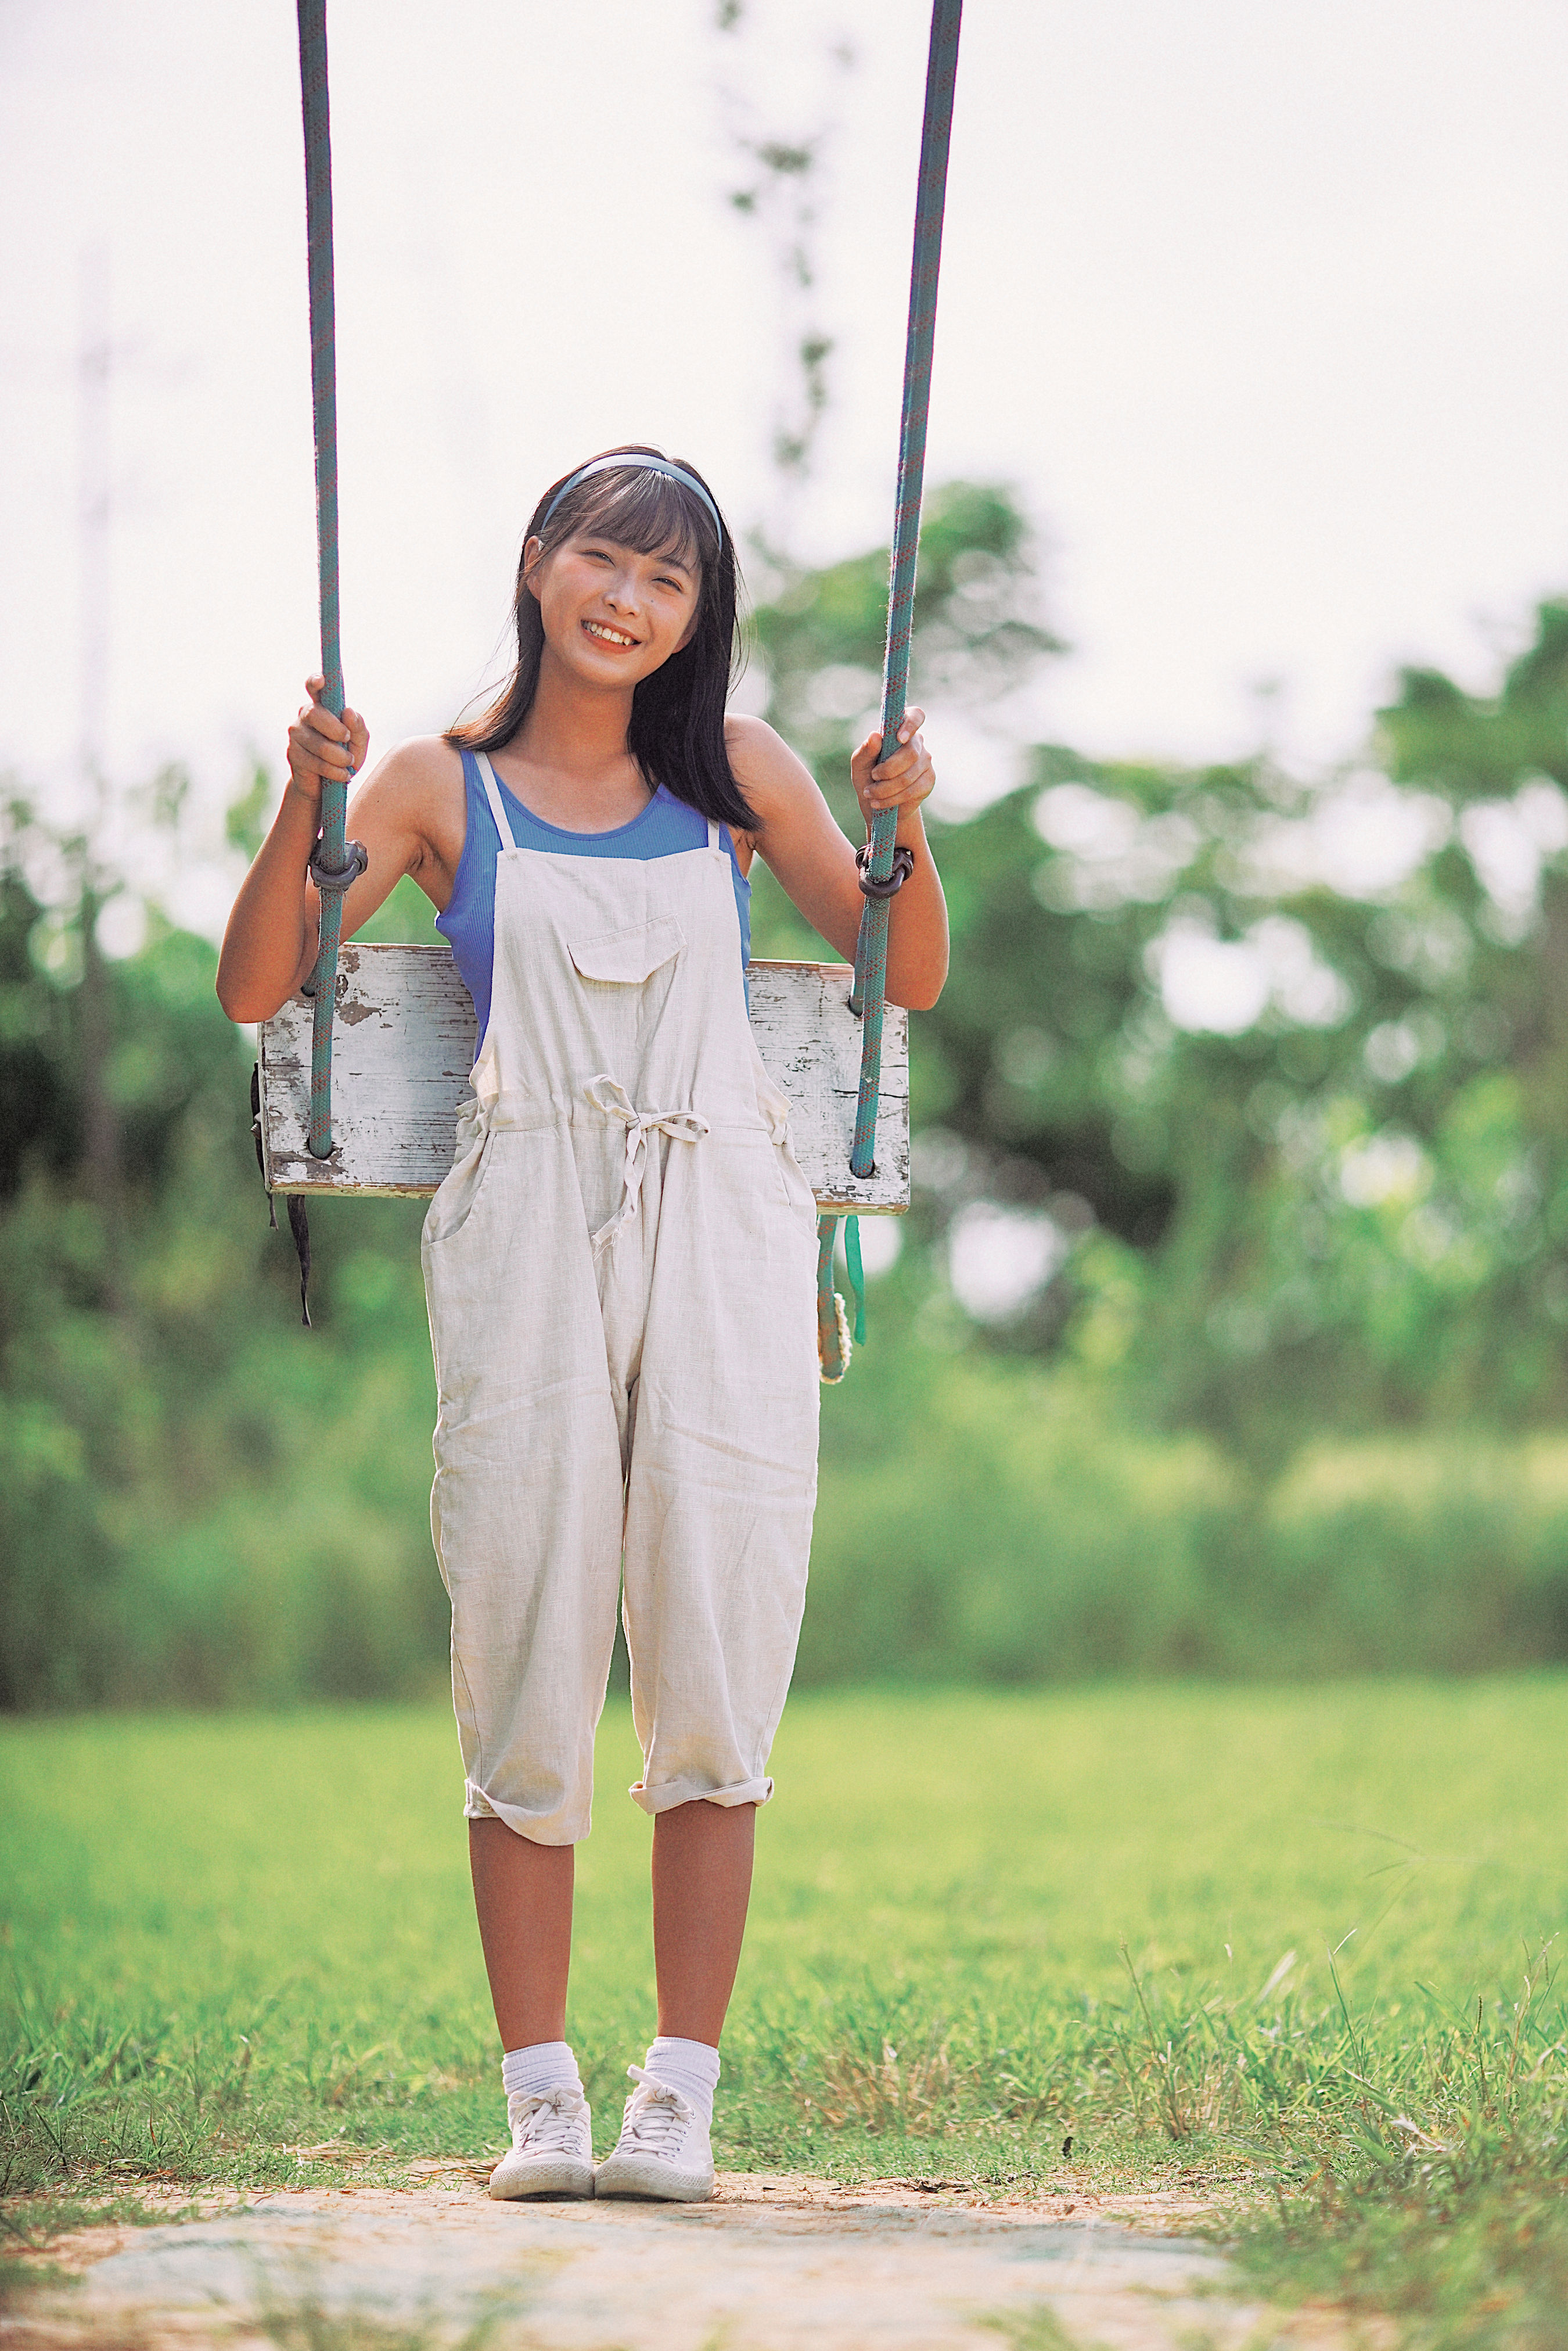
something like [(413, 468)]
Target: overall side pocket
[(451, 1210)]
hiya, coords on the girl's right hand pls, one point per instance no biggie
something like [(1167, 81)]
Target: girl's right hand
[(321, 745)]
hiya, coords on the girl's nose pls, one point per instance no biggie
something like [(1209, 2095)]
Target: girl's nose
[(622, 592)]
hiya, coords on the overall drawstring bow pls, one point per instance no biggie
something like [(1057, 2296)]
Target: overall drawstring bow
[(609, 1095)]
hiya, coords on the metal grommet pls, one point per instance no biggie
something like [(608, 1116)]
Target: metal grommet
[(328, 880), (903, 866)]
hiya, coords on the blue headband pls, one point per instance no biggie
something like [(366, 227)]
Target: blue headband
[(634, 464)]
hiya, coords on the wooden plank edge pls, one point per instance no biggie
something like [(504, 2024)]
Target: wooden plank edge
[(836, 1204)]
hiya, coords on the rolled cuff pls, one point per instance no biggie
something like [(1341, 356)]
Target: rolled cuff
[(564, 1826), (672, 1793)]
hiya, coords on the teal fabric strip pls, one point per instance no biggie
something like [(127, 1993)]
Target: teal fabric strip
[(856, 1275)]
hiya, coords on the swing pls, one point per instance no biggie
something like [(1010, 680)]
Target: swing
[(361, 1077)]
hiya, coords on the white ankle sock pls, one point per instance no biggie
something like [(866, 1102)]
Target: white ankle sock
[(546, 2065), (688, 2066)]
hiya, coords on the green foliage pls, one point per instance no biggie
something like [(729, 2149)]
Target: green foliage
[(1463, 2240), (988, 1522), (821, 633), (40, 1112), (1271, 1944), (163, 1529), (407, 917), (1352, 1196), (1284, 1399), (1344, 1203), (247, 818)]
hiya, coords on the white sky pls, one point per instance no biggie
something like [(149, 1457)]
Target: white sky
[(1262, 307)]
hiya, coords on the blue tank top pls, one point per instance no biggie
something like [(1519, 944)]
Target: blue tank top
[(664, 828)]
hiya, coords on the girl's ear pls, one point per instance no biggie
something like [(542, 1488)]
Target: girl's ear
[(533, 548)]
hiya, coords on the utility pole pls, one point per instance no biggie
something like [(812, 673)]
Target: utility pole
[(100, 1122)]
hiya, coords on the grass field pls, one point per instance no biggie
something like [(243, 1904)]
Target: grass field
[(1301, 1937)]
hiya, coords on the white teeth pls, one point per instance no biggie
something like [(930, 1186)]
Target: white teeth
[(610, 636)]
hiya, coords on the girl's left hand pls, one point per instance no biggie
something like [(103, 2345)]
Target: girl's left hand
[(901, 781)]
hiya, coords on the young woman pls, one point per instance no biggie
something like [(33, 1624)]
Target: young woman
[(622, 1265)]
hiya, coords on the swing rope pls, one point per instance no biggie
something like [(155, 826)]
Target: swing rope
[(337, 863), (880, 860), (885, 869)]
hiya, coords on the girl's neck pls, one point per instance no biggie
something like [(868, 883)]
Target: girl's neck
[(572, 729), (568, 762)]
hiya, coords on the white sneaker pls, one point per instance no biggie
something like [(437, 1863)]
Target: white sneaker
[(663, 2148), (552, 2147)]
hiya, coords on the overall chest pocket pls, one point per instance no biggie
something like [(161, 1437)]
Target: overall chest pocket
[(628, 955)]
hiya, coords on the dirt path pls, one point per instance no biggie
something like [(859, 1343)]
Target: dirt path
[(775, 2263)]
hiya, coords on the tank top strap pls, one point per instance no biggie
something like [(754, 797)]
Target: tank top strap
[(714, 841), (492, 794)]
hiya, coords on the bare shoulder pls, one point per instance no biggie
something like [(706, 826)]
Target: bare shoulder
[(424, 765), (770, 774), (754, 744), (415, 792)]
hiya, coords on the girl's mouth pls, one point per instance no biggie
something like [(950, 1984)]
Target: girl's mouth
[(608, 636)]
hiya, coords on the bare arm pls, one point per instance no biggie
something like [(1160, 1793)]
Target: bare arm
[(802, 844), (270, 944)]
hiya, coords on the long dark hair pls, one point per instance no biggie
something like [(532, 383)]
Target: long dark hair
[(675, 733)]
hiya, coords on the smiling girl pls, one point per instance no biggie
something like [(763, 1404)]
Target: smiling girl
[(620, 1266)]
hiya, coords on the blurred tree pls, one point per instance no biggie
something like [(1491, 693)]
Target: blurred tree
[(40, 1115), (1282, 1067), (820, 635), (1256, 1091), (121, 1430)]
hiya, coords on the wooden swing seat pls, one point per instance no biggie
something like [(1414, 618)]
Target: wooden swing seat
[(403, 1046)]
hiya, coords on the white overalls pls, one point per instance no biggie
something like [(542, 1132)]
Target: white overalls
[(621, 1270)]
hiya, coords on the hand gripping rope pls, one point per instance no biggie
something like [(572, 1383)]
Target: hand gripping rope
[(883, 869), (336, 861)]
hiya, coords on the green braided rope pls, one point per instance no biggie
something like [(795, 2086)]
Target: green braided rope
[(856, 1275), (871, 948), (331, 852), (832, 1323)]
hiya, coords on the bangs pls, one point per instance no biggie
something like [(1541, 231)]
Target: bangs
[(675, 729), (641, 510)]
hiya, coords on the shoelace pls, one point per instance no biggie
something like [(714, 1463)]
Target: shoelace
[(547, 2125), (655, 2114)]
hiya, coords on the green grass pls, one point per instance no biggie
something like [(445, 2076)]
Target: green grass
[(1295, 1940)]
